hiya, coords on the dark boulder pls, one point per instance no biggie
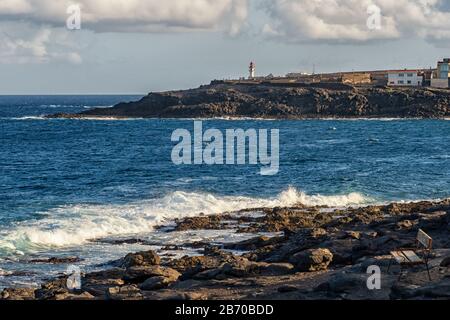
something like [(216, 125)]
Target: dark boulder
[(144, 258), (312, 260), (139, 274)]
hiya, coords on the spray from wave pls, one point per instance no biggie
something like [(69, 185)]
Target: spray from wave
[(76, 225)]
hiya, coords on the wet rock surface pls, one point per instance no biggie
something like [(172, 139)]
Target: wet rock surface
[(201, 223), (56, 260), (18, 294), (320, 253)]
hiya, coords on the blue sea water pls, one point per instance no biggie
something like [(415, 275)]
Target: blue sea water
[(65, 183)]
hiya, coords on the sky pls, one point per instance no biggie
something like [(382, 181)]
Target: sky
[(141, 46)]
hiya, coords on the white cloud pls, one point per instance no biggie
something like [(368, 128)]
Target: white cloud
[(14, 6), (43, 19), (24, 44), (287, 20), (134, 15), (346, 20)]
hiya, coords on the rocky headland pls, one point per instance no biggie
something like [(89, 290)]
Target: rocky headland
[(271, 101), (313, 253)]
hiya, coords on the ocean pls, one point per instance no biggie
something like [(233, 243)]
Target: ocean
[(67, 186)]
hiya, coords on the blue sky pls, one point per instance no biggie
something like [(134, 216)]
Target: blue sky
[(142, 46)]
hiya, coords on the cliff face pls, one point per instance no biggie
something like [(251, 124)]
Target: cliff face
[(281, 102)]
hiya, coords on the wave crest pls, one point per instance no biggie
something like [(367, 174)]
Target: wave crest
[(77, 224)]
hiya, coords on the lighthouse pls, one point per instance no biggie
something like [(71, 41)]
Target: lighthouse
[(251, 70)]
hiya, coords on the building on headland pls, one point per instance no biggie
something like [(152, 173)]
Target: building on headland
[(252, 70), (379, 78), (443, 69), (356, 78), (428, 76), (407, 78), (298, 74), (352, 78), (441, 78), (439, 83)]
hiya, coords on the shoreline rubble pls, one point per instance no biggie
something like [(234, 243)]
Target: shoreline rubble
[(318, 254)]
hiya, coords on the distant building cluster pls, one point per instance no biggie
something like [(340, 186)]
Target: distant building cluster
[(441, 76), (436, 78)]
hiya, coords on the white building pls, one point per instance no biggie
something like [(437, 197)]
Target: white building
[(442, 75), (443, 69), (440, 83), (251, 70), (297, 74), (408, 78)]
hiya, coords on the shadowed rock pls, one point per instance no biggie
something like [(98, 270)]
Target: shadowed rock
[(322, 255), (139, 274), (18, 294), (312, 259), (56, 260), (295, 101), (156, 283), (124, 293)]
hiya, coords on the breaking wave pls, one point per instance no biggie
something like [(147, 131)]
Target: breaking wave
[(77, 224), (80, 119), (27, 118)]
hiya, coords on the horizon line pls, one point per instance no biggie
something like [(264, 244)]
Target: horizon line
[(71, 94)]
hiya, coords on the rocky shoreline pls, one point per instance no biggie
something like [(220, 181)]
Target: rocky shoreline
[(317, 253), (268, 101)]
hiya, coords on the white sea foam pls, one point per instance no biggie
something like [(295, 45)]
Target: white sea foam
[(112, 118), (5, 273), (77, 224), (53, 106), (367, 119), (99, 118), (28, 118), (81, 119)]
